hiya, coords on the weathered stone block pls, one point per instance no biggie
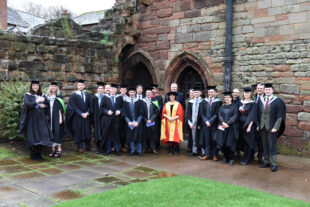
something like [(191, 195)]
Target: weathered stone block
[(303, 116), (289, 88), (184, 37), (303, 125), (201, 36)]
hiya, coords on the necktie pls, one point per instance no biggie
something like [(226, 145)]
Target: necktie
[(266, 105), (82, 94), (210, 102), (100, 99), (196, 104)]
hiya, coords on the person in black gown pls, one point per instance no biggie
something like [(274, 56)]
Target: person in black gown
[(110, 116), (271, 116), (150, 114), (228, 129), (77, 117), (95, 103), (33, 121), (56, 118), (133, 114), (248, 123), (158, 101)]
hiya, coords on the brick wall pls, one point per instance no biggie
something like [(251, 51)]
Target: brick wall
[(271, 43), (3, 15)]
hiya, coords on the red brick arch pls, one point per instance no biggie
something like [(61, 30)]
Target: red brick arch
[(182, 61), (137, 57)]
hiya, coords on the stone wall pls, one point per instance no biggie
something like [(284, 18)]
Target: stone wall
[(271, 43)]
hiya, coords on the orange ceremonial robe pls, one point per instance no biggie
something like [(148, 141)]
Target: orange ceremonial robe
[(172, 131)]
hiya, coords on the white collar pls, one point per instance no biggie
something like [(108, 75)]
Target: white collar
[(243, 101), (194, 100)]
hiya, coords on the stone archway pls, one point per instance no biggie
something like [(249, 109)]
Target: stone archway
[(187, 70), (137, 67)]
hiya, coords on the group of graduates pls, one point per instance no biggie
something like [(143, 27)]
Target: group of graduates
[(250, 124), (141, 120)]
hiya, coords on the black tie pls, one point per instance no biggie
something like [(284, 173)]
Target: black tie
[(82, 93)]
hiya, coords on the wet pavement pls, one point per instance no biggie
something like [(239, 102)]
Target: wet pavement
[(24, 182)]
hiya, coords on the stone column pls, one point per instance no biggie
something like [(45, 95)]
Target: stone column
[(3, 15)]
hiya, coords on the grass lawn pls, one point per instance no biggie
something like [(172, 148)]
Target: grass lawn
[(183, 191)]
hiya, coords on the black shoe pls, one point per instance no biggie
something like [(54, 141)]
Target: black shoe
[(97, 151), (140, 154), (265, 165), (106, 153), (118, 154), (224, 161), (193, 154), (274, 168), (260, 161), (88, 150), (231, 162), (131, 154)]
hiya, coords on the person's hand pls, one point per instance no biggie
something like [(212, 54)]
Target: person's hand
[(84, 115), (225, 125), (208, 123), (110, 113), (130, 124), (40, 99), (136, 124), (274, 130), (149, 121), (117, 113), (240, 108), (42, 106), (191, 126), (248, 130), (198, 127)]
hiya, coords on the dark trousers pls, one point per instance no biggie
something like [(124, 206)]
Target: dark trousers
[(109, 143), (269, 141), (209, 143), (87, 144), (248, 152), (228, 153)]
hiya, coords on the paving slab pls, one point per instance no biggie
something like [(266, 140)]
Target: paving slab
[(26, 176), (63, 179), (40, 202), (137, 174), (103, 188), (6, 162), (52, 171), (13, 169), (40, 187)]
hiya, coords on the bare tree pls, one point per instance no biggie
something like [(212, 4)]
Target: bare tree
[(52, 12)]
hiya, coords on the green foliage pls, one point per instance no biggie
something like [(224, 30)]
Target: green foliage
[(66, 27), (106, 39), (183, 191), (11, 103)]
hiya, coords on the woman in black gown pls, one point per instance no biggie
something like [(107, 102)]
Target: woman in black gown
[(56, 118), (228, 132), (33, 123), (248, 123)]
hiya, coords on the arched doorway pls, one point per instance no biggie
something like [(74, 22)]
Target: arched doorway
[(136, 67), (137, 74), (188, 79), (188, 70)]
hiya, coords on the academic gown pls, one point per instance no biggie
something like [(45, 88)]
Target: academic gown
[(136, 134), (58, 130), (123, 126), (95, 116), (197, 122), (210, 114), (245, 118), (110, 125), (34, 123), (77, 126), (180, 98), (277, 110), (150, 113), (229, 136), (157, 99)]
